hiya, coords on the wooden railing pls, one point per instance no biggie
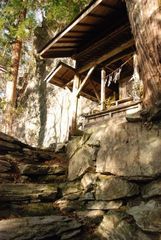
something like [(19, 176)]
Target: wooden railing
[(116, 108)]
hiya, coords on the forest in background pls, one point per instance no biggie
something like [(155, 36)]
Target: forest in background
[(26, 26)]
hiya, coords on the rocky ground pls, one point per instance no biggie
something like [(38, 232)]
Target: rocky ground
[(31, 183), (105, 184), (119, 169)]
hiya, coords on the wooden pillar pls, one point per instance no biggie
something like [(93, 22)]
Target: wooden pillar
[(74, 103), (103, 93)]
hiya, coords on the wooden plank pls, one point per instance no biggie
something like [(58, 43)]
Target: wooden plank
[(107, 55), (69, 83), (85, 79), (76, 34), (71, 26), (56, 81), (82, 31), (64, 44), (118, 58), (58, 54), (87, 49), (52, 73), (62, 48), (62, 67), (88, 96), (70, 38), (74, 105), (112, 109), (103, 93), (95, 15), (109, 6), (86, 24)]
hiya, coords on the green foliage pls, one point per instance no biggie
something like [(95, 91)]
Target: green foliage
[(63, 11), (2, 104), (54, 12), (20, 18), (13, 26)]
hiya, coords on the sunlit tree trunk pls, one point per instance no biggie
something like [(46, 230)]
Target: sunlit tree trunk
[(145, 19), (16, 53), (15, 62)]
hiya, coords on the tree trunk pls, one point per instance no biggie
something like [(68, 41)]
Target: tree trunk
[(16, 53), (145, 19)]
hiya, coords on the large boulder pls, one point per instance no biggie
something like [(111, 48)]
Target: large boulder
[(71, 191), (119, 226), (147, 216), (115, 227), (89, 180), (81, 162), (110, 188), (151, 189), (103, 205), (24, 209), (5, 166), (129, 149), (27, 192), (43, 169), (36, 228)]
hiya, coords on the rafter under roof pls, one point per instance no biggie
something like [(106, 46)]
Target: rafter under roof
[(102, 18)]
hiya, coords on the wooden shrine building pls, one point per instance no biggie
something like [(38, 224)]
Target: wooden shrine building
[(100, 41)]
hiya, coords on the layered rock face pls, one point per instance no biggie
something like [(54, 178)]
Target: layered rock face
[(31, 180), (119, 167), (106, 186)]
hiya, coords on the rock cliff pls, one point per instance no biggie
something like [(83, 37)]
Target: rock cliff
[(105, 184), (119, 166)]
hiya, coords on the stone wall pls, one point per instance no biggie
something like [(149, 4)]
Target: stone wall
[(105, 184), (118, 166), (31, 183)]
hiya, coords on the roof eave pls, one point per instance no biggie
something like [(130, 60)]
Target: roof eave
[(83, 14)]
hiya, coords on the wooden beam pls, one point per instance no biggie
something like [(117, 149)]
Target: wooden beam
[(117, 58), (109, 6), (85, 79), (87, 95), (78, 31), (68, 84), (74, 104), (61, 48), (88, 48), (52, 73), (94, 15), (107, 55), (103, 92), (63, 44), (95, 90), (58, 54), (86, 24), (70, 38), (56, 81)]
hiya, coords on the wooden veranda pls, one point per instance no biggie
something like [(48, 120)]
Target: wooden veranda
[(100, 41)]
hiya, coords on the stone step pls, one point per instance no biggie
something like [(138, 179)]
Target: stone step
[(27, 192), (8, 210), (44, 179), (5, 166), (36, 228), (43, 169), (6, 178)]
